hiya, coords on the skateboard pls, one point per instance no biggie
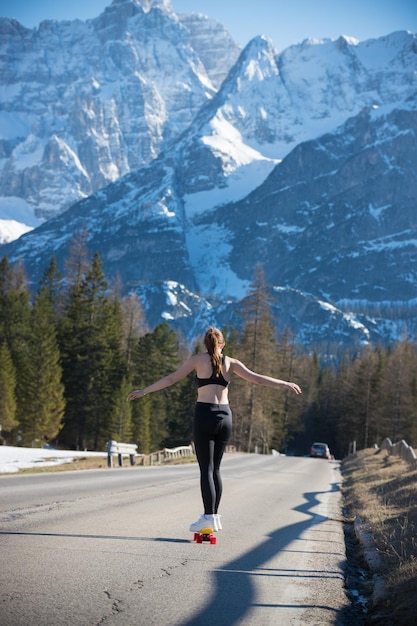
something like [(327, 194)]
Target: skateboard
[(205, 534)]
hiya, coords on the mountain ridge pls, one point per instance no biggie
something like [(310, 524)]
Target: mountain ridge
[(95, 102), (291, 163)]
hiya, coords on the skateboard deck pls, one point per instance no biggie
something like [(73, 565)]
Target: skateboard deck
[(205, 534)]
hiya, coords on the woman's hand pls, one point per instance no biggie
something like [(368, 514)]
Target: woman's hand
[(294, 387), (138, 393)]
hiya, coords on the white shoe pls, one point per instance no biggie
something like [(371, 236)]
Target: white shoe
[(218, 522), (205, 521)]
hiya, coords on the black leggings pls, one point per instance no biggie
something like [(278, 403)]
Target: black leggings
[(212, 429)]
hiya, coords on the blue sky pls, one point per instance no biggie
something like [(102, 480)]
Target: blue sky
[(284, 21)]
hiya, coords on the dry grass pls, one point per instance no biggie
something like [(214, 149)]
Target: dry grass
[(382, 491)]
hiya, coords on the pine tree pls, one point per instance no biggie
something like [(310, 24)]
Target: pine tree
[(52, 286), (411, 426), (93, 371), (7, 391), (371, 380), (141, 411), (133, 326), (43, 402), (183, 399), (77, 264), (348, 427), (286, 409), (14, 304), (15, 327), (399, 375), (258, 351), (121, 426), (156, 355), (238, 390)]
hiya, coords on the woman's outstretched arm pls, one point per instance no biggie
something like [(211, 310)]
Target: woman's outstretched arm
[(238, 368), (166, 381)]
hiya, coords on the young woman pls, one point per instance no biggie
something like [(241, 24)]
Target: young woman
[(212, 416)]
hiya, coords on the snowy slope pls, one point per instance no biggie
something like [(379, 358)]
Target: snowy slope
[(277, 166), (83, 103)]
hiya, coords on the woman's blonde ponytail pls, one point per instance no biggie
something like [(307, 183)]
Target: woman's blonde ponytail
[(213, 339)]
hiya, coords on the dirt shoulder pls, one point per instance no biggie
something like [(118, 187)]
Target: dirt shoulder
[(380, 494)]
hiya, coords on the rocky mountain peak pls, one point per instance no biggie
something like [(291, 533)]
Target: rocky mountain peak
[(146, 5), (185, 179), (96, 95)]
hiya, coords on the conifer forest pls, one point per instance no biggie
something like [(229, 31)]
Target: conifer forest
[(71, 352)]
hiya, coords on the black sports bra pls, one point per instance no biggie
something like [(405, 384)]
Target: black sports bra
[(213, 380)]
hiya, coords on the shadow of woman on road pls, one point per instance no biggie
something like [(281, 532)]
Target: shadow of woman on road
[(233, 588)]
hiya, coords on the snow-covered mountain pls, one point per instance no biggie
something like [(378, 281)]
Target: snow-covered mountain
[(303, 161), (83, 103)]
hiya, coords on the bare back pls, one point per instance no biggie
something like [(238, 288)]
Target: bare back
[(213, 394)]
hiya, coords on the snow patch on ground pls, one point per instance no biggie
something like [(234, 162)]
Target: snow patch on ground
[(12, 458)]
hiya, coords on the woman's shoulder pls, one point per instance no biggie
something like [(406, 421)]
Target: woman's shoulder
[(235, 366), (229, 362), (200, 358)]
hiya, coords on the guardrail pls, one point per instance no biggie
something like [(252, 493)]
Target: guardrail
[(130, 449), (154, 458), (120, 450), (166, 454), (401, 449)]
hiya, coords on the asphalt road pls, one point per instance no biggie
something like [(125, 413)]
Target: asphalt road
[(112, 547)]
